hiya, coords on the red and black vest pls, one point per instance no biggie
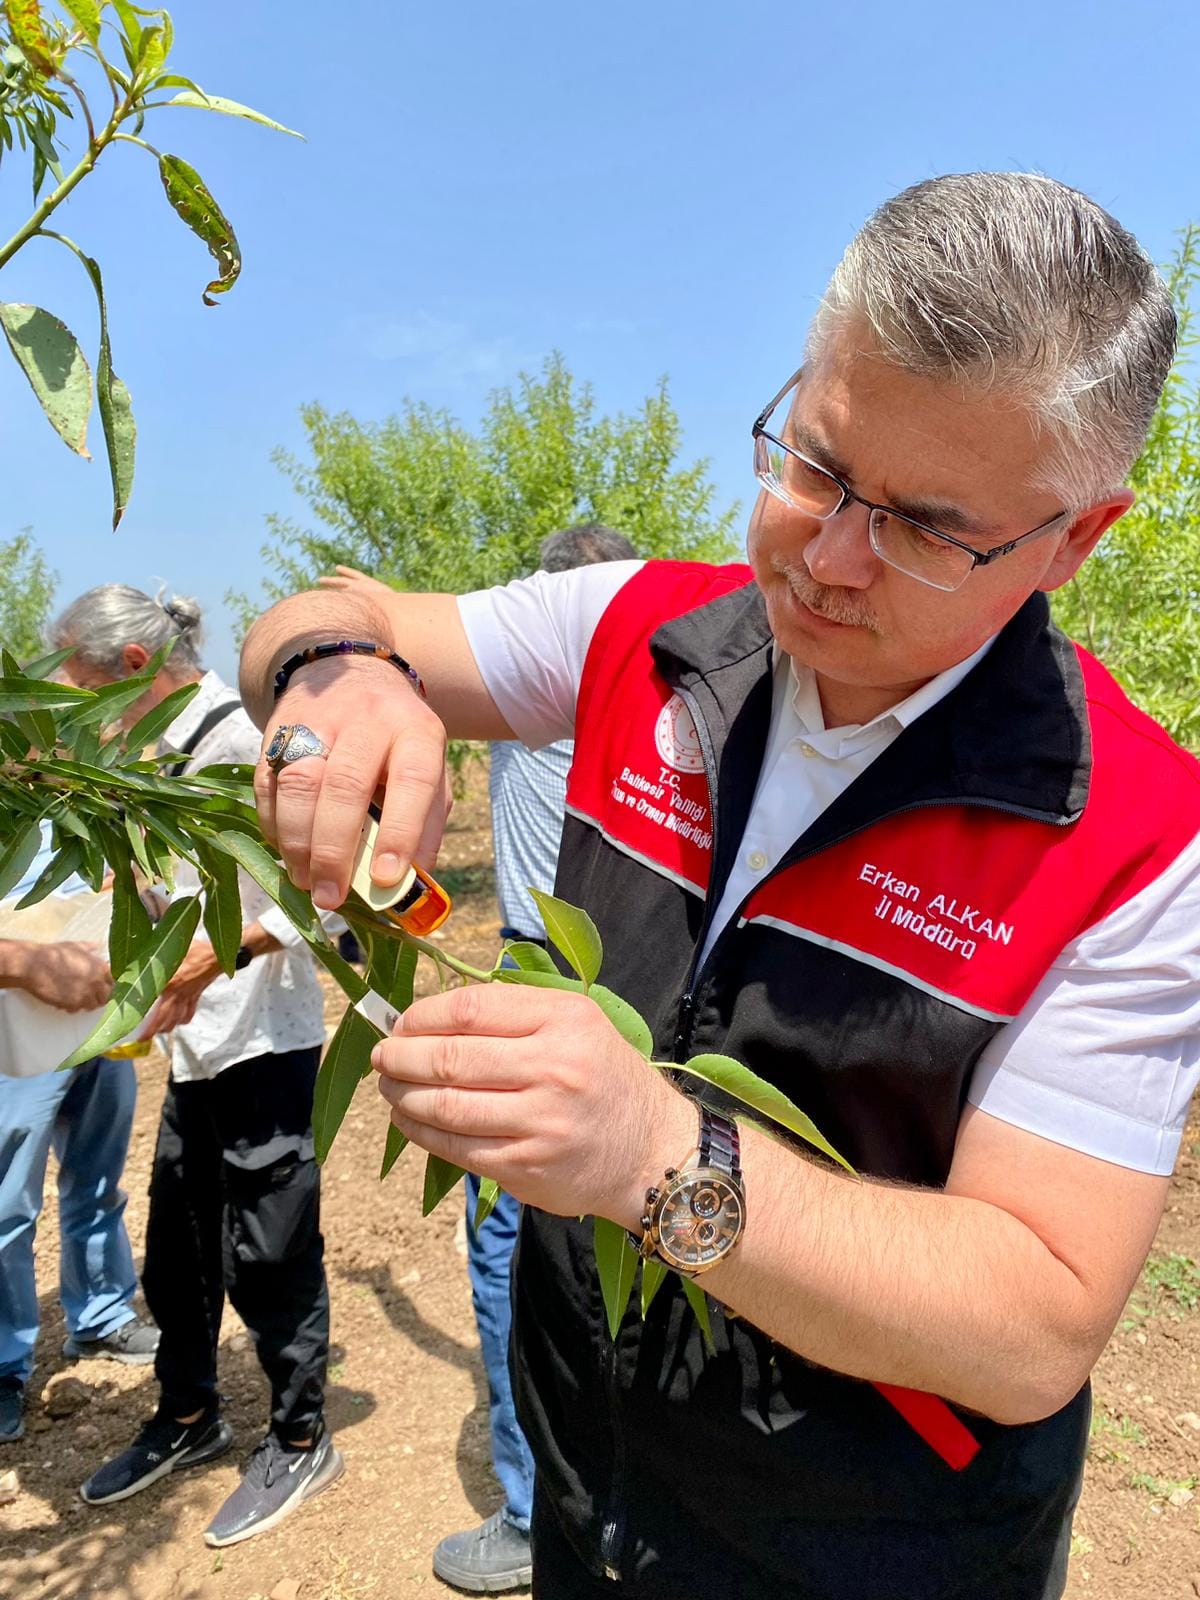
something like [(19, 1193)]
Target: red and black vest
[(864, 976)]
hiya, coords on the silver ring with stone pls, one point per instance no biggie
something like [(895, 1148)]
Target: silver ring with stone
[(292, 741)]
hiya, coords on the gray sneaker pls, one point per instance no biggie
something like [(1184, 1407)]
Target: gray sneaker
[(490, 1559), (277, 1479), (133, 1343)]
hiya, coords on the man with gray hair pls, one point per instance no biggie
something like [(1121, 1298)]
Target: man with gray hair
[(235, 1188), (860, 817)]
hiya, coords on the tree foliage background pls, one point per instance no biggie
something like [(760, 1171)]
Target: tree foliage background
[(1136, 602), (26, 591), (423, 502)]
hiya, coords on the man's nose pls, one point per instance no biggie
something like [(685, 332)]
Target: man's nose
[(839, 554)]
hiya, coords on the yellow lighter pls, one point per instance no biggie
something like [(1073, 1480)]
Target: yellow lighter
[(418, 904)]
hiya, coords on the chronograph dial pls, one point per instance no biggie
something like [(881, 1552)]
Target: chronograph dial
[(696, 1216)]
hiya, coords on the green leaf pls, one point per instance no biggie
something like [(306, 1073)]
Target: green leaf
[(17, 856), (191, 199), (440, 1178), (29, 34), (255, 859), (737, 1081), (49, 355), (86, 15), (38, 727), (616, 1263), (654, 1275), (138, 845), (116, 407), (129, 22), (60, 867), (108, 703), (530, 957), (697, 1300), (231, 108), (392, 1149), (341, 1072), (45, 148), (222, 905), (166, 830), (629, 1023), (152, 51), (391, 968), (150, 728), (63, 817), (489, 1193), (572, 932), (140, 985), (44, 665), (30, 694), (130, 929)]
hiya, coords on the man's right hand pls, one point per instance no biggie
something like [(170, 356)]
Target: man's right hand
[(70, 975), (385, 742)]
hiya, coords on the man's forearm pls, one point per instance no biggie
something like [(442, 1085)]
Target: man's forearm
[(15, 955), (914, 1287), (425, 629)]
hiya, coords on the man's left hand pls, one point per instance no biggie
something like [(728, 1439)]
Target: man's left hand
[(177, 1003), (537, 1089)]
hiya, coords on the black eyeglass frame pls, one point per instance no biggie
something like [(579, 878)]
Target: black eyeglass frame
[(979, 558)]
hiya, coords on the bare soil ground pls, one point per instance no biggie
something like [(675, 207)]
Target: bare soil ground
[(407, 1399)]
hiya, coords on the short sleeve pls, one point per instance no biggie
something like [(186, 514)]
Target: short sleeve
[(530, 638), (1105, 1056)]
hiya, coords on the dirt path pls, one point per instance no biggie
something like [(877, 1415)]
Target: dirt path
[(407, 1400)]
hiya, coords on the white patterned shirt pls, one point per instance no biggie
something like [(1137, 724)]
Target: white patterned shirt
[(274, 1004)]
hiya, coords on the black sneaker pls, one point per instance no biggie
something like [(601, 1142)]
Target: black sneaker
[(278, 1478), (490, 1559), (133, 1343), (12, 1410), (162, 1445)]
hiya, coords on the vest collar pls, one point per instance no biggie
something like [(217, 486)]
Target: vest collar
[(1013, 734)]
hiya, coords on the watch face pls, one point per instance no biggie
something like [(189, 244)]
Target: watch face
[(699, 1220)]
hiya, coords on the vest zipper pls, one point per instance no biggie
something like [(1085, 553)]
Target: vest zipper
[(613, 1526), (682, 1041)]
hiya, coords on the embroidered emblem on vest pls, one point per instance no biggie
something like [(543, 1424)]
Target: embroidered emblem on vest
[(676, 737)]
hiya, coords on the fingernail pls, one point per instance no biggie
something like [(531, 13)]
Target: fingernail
[(326, 895), (386, 868)]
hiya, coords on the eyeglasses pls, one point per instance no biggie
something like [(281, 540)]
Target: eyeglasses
[(921, 552)]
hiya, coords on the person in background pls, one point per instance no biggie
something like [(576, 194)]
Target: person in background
[(235, 1189), (528, 793), (86, 1116)]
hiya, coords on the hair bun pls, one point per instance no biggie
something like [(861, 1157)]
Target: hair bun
[(183, 611)]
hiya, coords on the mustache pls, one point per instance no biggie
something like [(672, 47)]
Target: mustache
[(838, 605)]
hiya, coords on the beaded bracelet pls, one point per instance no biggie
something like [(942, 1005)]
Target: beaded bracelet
[(346, 647)]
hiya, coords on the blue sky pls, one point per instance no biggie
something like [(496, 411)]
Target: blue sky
[(650, 189)]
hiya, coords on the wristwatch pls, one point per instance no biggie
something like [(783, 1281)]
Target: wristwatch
[(695, 1218), (243, 958)]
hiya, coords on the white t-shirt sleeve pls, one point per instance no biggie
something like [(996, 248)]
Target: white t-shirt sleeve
[(1106, 1054), (530, 637)]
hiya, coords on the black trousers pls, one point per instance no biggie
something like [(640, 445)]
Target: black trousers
[(235, 1208)]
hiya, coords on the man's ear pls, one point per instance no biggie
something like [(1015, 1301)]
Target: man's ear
[(134, 657), (1082, 537)]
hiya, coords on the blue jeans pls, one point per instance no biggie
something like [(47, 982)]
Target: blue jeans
[(489, 1253), (86, 1115)]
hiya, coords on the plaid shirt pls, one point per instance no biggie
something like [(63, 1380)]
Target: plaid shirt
[(528, 790)]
